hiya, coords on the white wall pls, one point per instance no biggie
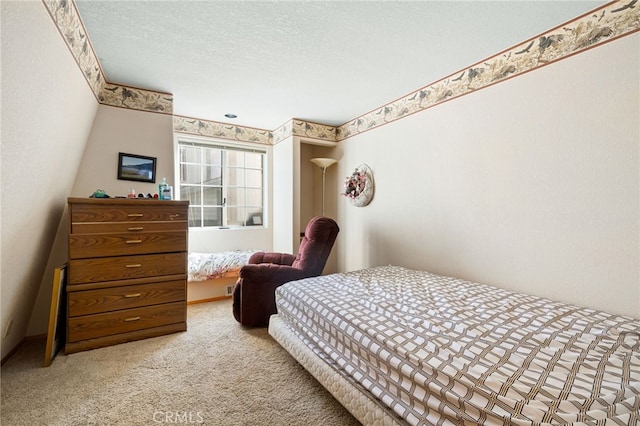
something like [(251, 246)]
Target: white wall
[(285, 218), (216, 240), (123, 130), (47, 111), (310, 185), (531, 184)]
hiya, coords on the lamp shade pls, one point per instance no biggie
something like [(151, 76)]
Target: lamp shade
[(323, 162)]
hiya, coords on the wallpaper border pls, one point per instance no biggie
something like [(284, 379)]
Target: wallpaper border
[(67, 19), (305, 129), (215, 129), (609, 22)]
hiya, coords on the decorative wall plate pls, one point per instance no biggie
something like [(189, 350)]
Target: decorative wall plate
[(358, 187)]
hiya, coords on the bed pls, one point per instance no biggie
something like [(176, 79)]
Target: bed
[(211, 275), (399, 346)]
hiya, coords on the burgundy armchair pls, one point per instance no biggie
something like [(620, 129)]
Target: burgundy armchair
[(254, 293)]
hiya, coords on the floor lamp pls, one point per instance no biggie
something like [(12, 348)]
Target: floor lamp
[(323, 163)]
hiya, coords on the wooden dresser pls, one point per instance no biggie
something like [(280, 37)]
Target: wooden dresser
[(127, 273)]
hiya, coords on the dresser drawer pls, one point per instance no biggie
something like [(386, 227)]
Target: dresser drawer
[(130, 212), (125, 297), (99, 245), (126, 267), (111, 323), (110, 227)]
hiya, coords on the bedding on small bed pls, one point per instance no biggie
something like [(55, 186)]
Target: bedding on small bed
[(440, 350), (208, 266)]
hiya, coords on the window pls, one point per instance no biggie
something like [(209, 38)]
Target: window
[(224, 184)]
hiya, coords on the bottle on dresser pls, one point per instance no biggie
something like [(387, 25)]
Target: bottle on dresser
[(165, 192)]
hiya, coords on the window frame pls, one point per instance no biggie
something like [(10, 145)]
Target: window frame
[(224, 146)]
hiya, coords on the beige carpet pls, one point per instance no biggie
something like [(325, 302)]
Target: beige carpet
[(215, 373)]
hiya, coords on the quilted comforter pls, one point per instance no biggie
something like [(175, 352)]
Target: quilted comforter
[(208, 266), (440, 350)]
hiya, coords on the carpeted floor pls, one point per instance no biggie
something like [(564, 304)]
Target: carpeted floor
[(215, 373)]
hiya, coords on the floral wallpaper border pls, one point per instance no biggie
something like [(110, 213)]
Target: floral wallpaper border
[(606, 23), (293, 127), (196, 126), (305, 129), (609, 22), (67, 20), (135, 98)]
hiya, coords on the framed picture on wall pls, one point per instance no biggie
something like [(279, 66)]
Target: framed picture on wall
[(136, 167)]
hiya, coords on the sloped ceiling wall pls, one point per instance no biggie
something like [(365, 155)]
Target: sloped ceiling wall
[(47, 113)]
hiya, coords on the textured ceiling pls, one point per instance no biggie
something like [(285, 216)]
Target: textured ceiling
[(321, 61)]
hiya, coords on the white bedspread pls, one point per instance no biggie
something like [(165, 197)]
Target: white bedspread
[(207, 266), (439, 350)]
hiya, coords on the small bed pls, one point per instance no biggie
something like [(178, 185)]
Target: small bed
[(211, 276), (399, 346)]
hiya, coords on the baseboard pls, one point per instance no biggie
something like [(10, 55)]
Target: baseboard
[(211, 299), (209, 290), (19, 345), (12, 351)]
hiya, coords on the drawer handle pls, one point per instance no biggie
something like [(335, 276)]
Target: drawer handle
[(132, 319), (134, 265), (136, 228), (135, 215), (133, 295), (174, 216), (133, 241)]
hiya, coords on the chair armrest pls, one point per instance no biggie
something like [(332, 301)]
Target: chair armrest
[(270, 257), (270, 273)]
